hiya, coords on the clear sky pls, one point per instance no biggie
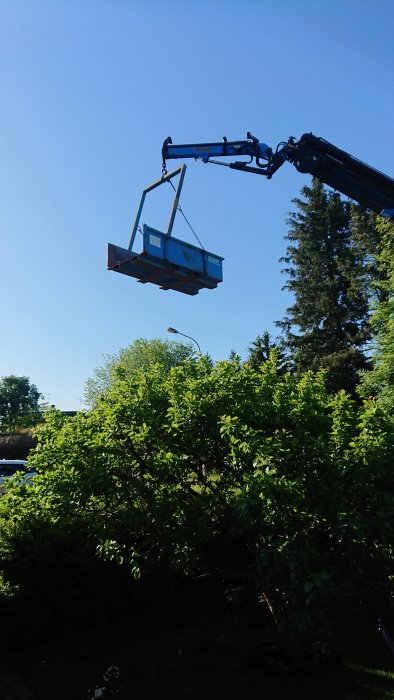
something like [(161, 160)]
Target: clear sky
[(89, 90)]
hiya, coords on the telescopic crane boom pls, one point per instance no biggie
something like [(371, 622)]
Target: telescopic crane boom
[(310, 154)]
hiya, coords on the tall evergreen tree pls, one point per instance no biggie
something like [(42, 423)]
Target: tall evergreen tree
[(380, 381), (328, 268)]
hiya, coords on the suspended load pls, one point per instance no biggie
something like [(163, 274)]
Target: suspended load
[(164, 260)]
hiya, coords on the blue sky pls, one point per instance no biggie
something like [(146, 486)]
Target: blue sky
[(89, 91)]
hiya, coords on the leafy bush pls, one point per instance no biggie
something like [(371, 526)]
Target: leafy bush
[(16, 445), (268, 482)]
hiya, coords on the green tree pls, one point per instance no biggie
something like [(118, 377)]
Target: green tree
[(260, 351), (380, 381), (139, 355), (19, 404), (329, 273)]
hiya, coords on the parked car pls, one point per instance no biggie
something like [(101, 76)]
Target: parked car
[(9, 467)]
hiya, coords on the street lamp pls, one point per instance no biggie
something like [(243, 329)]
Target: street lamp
[(174, 330)]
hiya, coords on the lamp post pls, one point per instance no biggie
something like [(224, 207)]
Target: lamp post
[(174, 330)]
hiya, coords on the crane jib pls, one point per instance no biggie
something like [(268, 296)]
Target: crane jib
[(310, 154), (215, 150)]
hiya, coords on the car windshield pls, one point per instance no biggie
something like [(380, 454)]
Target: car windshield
[(9, 471), (10, 468)]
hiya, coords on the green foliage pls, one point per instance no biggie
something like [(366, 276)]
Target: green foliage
[(215, 468), (380, 382), (19, 404), (329, 268), (138, 356)]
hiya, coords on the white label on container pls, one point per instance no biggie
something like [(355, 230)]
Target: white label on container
[(155, 240), (215, 261)]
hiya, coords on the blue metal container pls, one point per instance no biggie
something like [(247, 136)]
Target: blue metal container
[(169, 263), (184, 255)]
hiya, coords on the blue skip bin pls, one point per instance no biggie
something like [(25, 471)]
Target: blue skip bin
[(166, 261)]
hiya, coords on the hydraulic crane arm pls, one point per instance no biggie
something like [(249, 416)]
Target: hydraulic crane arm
[(311, 154), (206, 152)]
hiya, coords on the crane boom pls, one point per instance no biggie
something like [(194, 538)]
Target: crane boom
[(310, 154)]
